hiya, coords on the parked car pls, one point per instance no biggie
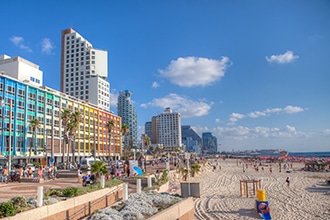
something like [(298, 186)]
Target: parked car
[(86, 163)]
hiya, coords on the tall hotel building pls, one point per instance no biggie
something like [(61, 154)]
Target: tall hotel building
[(24, 99), (84, 70), (169, 129), (127, 111)]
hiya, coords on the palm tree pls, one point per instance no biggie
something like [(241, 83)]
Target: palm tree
[(146, 142), (65, 118), (124, 131), (109, 125), (195, 168), (74, 124), (34, 124), (99, 168)]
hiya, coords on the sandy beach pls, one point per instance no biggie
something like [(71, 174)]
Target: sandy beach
[(307, 197)]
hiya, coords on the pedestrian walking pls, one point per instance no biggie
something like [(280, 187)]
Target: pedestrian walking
[(287, 181)]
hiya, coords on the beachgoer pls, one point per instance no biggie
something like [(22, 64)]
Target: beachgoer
[(30, 172), (79, 175), (40, 172), (287, 181), (270, 169), (55, 171), (20, 171), (128, 171)]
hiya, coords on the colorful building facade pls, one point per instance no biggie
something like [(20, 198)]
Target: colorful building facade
[(22, 102)]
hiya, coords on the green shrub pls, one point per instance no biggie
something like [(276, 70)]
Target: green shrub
[(70, 192), (7, 209), (19, 203), (53, 192)]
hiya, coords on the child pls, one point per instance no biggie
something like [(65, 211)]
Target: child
[(287, 181)]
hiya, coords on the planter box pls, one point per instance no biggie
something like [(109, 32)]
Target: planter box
[(74, 208), (183, 210)]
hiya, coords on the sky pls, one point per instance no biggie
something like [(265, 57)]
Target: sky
[(254, 73)]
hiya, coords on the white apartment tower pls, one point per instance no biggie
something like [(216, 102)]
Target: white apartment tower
[(84, 70), (169, 129)]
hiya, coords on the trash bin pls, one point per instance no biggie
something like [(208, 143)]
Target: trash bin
[(261, 195)]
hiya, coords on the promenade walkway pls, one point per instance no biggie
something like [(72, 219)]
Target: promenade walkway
[(29, 189)]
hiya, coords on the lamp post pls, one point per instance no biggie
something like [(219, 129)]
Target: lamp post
[(2, 103), (10, 129)]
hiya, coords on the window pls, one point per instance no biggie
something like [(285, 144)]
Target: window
[(32, 96), (31, 107), (41, 99), (21, 93), (49, 111), (11, 90), (40, 109), (56, 113), (20, 116), (20, 104)]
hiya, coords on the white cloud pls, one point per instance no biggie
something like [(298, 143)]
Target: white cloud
[(195, 71), (326, 132), (19, 41), (287, 57), (246, 138), (46, 46), (292, 109), (181, 104), (291, 129), (155, 84), (217, 120), (256, 114), (234, 117), (113, 99)]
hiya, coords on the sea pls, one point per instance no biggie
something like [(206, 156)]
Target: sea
[(314, 155)]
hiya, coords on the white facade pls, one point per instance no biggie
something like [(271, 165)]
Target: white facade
[(169, 129), (84, 70), (100, 87), (21, 69)]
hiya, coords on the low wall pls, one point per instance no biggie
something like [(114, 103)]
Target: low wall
[(183, 210), (74, 208)]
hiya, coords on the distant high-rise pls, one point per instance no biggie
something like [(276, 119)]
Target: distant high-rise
[(169, 129), (209, 143), (127, 112), (148, 129), (84, 70), (190, 138)]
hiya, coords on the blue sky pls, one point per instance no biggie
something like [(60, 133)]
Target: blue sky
[(255, 73)]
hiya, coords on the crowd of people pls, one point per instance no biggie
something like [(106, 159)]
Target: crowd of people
[(45, 172)]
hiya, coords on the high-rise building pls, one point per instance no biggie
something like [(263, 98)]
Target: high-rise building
[(209, 143), (148, 129), (127, 111), (169, 129), (84, 70), (190, 138)]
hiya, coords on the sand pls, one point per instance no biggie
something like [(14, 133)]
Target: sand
[(307, 197)]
